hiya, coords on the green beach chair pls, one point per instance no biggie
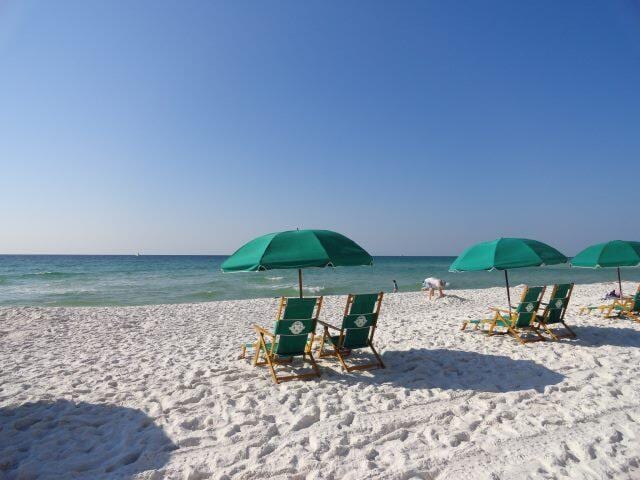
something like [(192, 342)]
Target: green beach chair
[(554, 311), (607, 307), (629, 308), (356, 332), (292, 336), (517, 322)]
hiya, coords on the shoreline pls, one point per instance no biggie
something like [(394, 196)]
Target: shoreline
[(120, 281), (629, 287)]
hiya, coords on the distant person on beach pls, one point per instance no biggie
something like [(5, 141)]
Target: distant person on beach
[(612, 294), (431, 284), (395, 287)]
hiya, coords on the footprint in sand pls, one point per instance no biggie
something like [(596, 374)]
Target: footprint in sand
[(190, 442), (193, 424)]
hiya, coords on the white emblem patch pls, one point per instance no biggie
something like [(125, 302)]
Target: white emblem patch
[(558, 303), (360, 321), (297, 327), (529, 308)]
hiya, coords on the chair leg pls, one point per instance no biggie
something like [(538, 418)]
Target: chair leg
[(491, 328), (380, 362), (540, 336), (514, 332), (272, 369), (571, 332), (464, 325), (260, 345), (314, 365), (340, 358), (243, 352), (321, 353), (256, 356), (549, 331)]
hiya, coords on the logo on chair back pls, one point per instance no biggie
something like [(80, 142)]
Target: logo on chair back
[(360, 321), (559, 303), (297, 327), (529, 307)]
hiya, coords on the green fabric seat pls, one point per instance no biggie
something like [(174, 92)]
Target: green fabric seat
[(504, 321)]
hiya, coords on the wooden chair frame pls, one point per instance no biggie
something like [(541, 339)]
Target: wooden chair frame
[(540, 320), (600, 308), (341, 352)]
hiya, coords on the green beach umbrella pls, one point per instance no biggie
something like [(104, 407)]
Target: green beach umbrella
[(504, 254), (297, 249), (616, 253)]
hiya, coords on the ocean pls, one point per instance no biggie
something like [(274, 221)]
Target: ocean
[(102, 280)]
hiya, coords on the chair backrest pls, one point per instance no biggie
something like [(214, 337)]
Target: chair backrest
[(528, 307), (634, 305), (297, 318), (298, 307), (556, 308), (360, 319)]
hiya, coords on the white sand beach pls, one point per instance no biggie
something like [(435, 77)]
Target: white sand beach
[(157, 392)]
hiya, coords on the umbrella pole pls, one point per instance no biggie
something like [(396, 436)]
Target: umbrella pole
[(619, 283), (300, 281), (506, 279)]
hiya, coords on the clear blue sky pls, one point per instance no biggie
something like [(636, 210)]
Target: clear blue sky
[(413, 127)]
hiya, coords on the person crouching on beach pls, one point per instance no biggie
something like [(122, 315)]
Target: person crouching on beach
[(431, 284)]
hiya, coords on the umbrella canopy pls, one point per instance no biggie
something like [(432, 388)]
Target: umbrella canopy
[(616, 253), (504, 254), (297, 249)]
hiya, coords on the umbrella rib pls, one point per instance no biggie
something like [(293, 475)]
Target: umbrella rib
[(536, 254)]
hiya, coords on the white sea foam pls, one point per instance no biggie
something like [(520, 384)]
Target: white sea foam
[(313, 289), (275, 278)]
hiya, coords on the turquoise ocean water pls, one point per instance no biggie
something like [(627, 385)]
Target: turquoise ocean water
[(142, 280)]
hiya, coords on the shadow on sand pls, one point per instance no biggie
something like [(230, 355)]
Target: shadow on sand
[(456, 297), (457, 370), (64, 439), (595, 336)]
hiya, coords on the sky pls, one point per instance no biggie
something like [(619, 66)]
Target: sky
[(414, 127)]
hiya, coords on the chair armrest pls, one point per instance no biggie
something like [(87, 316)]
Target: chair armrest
[(496, 309), (327, 325), (259, 329)]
